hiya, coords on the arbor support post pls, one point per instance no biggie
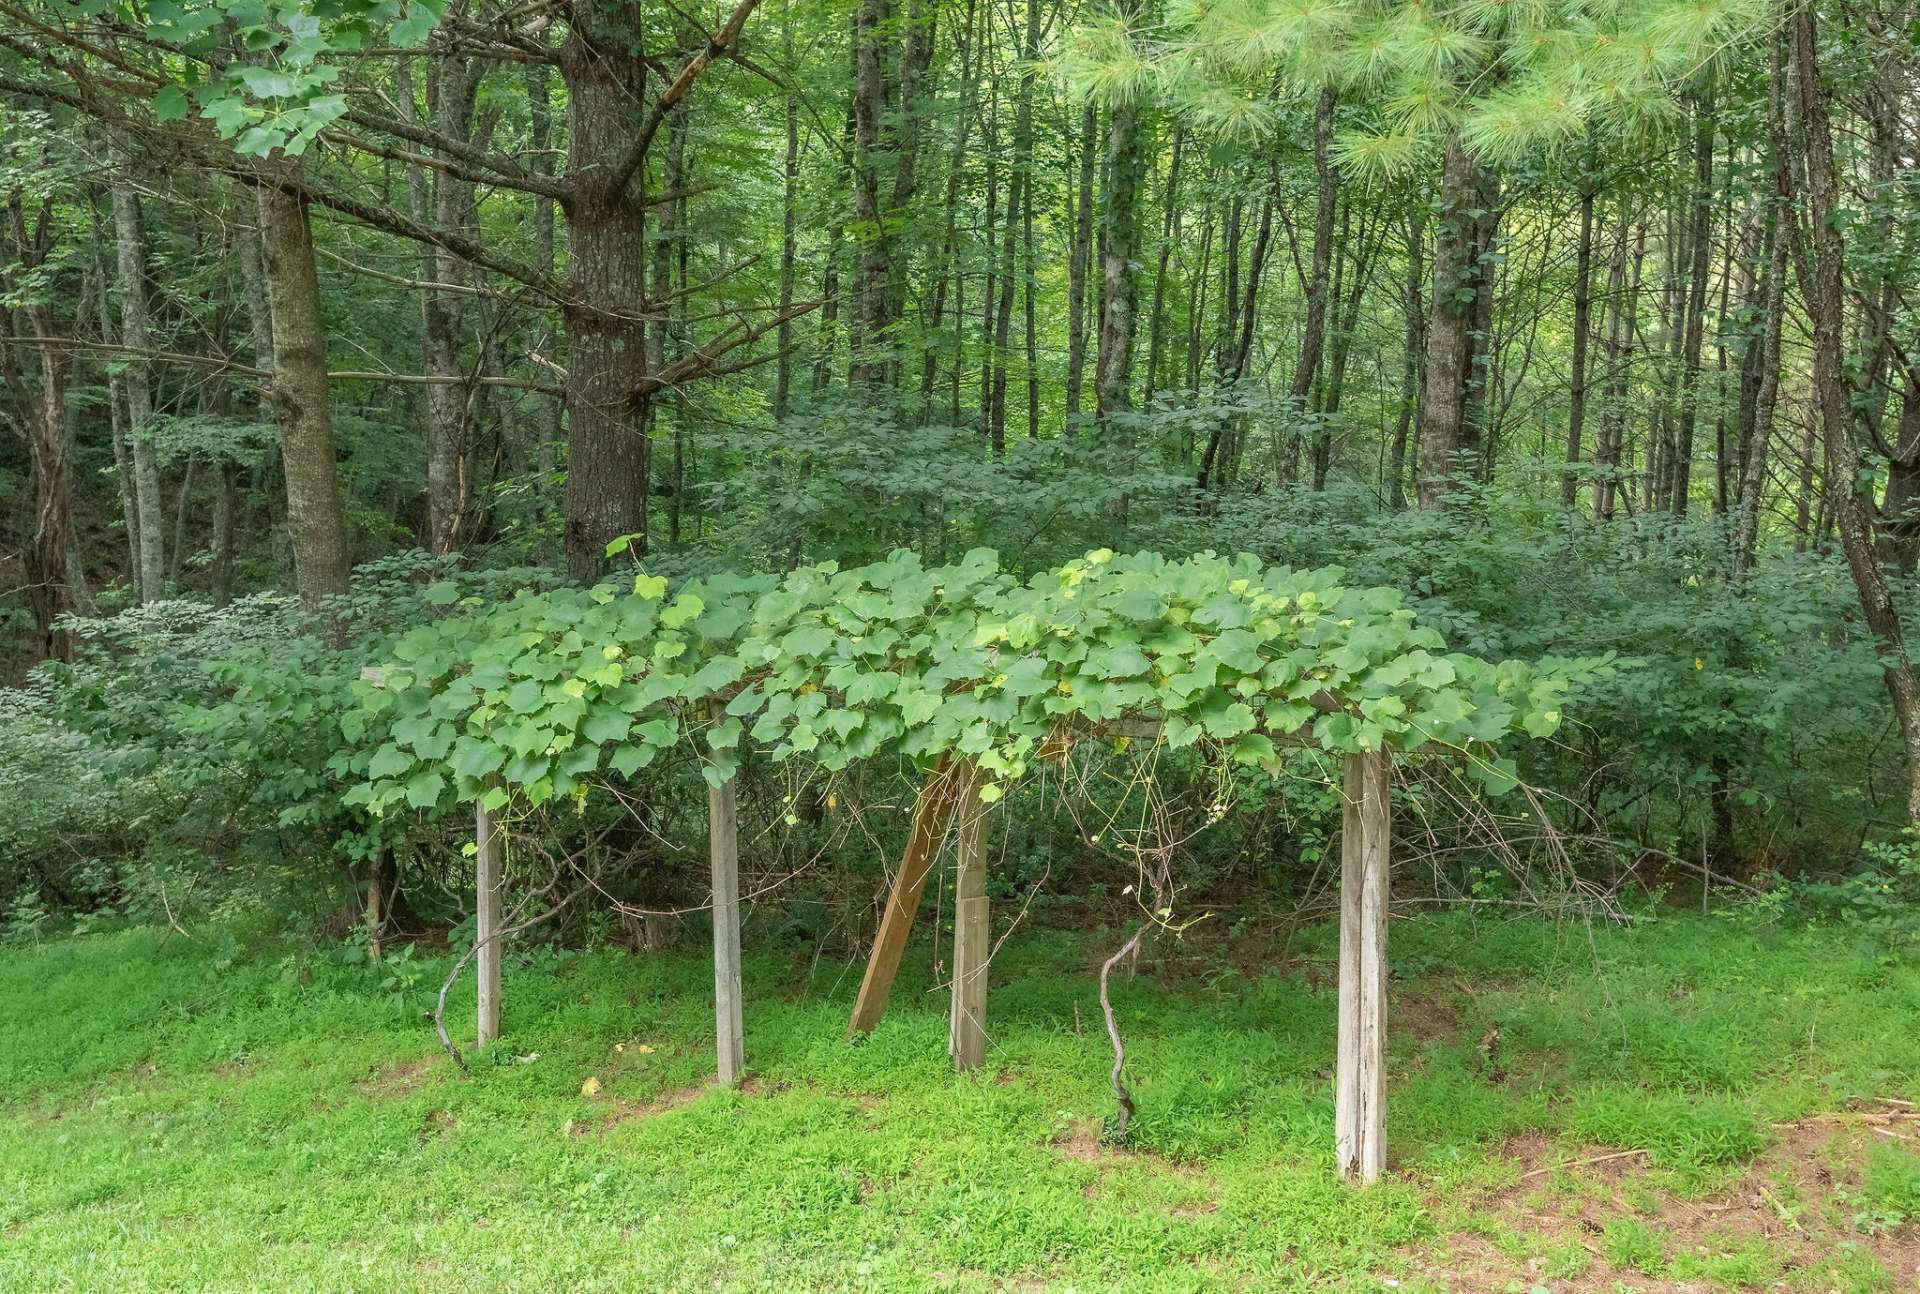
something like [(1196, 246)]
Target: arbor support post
[(967, 1023), (1360, 1123), (723, 838), (931, 814), (486, 920)]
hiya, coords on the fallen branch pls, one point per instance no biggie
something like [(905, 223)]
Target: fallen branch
[(1582, 1163)]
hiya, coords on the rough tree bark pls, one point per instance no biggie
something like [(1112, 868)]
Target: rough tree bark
[(1449, 325), (316, 522), (1125, 161), (1821, 260)]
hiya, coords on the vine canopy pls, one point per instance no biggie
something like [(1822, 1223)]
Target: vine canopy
[(540, 695)]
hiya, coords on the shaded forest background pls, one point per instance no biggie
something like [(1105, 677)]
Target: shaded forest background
[(1588, 326)]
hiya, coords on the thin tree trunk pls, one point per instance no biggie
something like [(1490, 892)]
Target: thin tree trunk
[(1079, 260), (1169, 235), (1410, 357), (549, 428), (130, 246), (789, 242), (1607, 455), (1582, 326), (1120, 248), (1699, 245), (1773, 309)]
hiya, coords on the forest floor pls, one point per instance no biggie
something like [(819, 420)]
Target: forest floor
[(1686, 1104)]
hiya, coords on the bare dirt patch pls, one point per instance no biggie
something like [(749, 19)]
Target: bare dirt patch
[(384, 1082), (1431, 1021), (1792, 1206), (652, 1107)]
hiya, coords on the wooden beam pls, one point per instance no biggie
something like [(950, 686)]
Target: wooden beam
[(486, 920), (723, 838), (967, 1021), (1360, 1123), (931, 814)]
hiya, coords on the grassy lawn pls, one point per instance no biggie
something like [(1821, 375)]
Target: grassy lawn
[(175, 1116)]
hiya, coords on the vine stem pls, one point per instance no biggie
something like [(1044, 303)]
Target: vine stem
[(1122, 1096)]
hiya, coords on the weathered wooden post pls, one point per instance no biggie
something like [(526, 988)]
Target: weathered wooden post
[(967, 1023), (931, 814), (723, 840), (1360, 1123), (486, 919)]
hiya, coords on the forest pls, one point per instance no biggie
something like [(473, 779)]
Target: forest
[(1074, 517)]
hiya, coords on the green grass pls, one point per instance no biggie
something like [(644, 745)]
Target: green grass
[(175, 1116)]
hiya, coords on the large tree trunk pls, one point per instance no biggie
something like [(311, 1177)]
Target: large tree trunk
[(871, 325), (608, 451), (1823, 284), (316, 521), (880, 289), (1478, 444), (1449, 325), (130, 247)]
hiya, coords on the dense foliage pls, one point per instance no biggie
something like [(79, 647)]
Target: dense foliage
[(1545, 371)]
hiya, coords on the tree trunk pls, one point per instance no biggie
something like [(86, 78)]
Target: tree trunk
[(1582, 325), (1449, 325), (1410, 358), (1613, 415), (1078, 261), (316, 522), (871, 325), (1823, 284), (1125, 158), (789, 244), (1169, 235), (608, 449), (548, 426), (1699, 245), (1313, 338), (1773, 309), (130, 248), (225, 499)]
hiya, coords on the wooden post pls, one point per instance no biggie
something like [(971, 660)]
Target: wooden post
[(931, 813), (967, 1022), (723, 841), (486, 919), (1360, 1123)]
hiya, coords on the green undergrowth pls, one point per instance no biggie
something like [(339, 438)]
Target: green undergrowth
[(180, 1115)]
